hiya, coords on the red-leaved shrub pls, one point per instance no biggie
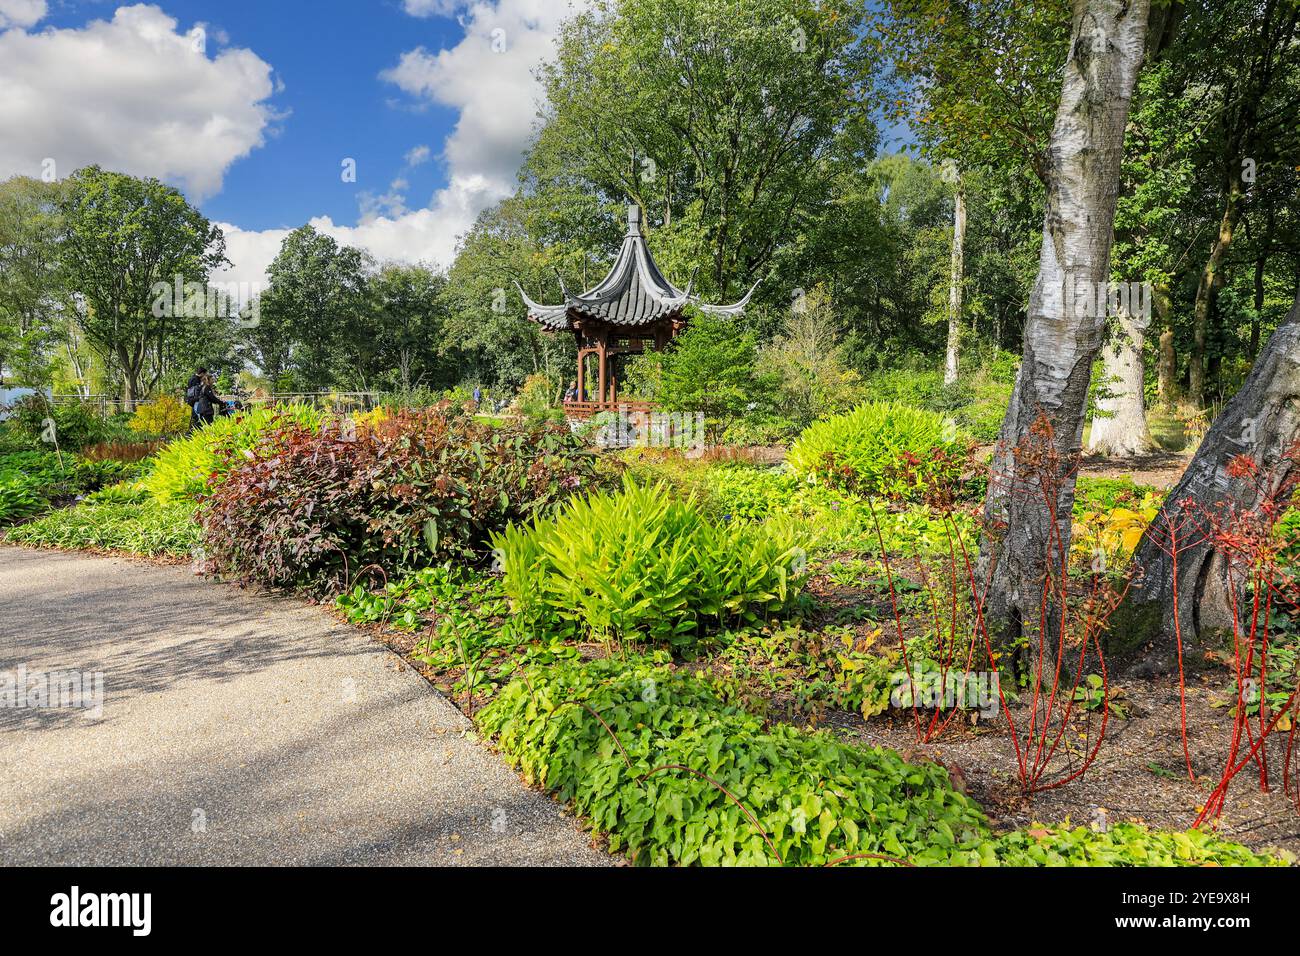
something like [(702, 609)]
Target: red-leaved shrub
[(311, 509)]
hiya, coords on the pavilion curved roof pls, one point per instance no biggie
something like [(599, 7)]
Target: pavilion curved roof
[(634, 293)]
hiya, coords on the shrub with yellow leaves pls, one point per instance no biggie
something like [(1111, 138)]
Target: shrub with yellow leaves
[(163, 418), (1106, 540)]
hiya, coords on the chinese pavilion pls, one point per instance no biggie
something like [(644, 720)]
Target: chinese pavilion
[(632, 308)]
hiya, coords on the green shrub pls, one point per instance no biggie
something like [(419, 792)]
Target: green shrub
[(32, 481), (652, 768), (149, 528), (759, 430), (21, 497), (977, 402), (123, 493), (644, 563), (752, 494), (32, 465), (310, 509), (536, 399), (76, 424), (185, 468), (868, 450)]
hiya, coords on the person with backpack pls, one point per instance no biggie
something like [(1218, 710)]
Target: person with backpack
[(209, 401), (193, 391)]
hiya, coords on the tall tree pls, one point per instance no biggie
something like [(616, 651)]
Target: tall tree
[(955, 281), (1063, 333), (316, 305), (409, 316), (1156, 180), (532, 238), (1245, 55), (721, 119), (33, 304), (976, 81), (1119, 427), (122, 238)]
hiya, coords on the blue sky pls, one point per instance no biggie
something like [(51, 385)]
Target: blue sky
[(329, 55), (252, 107)]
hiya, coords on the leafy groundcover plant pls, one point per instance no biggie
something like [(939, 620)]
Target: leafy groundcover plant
[(653, 758), (644, 564), (76, 424), (31, 482), (865, 448), (147, 528), (312, 508)]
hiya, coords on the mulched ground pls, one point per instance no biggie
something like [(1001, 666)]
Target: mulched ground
[(1140, 774)]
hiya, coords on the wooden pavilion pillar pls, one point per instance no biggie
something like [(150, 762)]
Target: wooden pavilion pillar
[(603, 354)]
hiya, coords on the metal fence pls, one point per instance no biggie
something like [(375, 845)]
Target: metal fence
[(107, 405)]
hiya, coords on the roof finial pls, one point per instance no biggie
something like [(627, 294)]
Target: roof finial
[(633, 219)]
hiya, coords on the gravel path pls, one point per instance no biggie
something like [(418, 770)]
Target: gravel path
[(238, 729)]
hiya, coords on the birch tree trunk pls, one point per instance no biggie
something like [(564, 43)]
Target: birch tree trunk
[(951, 360), (1119, 430), (1028, 530), (1263, 421)]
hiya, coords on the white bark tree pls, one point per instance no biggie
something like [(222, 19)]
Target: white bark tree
[(1119, 429), (1064, 327), (952, 358)]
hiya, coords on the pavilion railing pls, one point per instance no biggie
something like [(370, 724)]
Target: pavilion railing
[(591, 409)]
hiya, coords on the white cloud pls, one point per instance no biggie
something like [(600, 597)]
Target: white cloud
[(21, 13), (251, 253), (497, 97), (418, 156), (131, 94), (488, 77), (428, 8), (421, 235)]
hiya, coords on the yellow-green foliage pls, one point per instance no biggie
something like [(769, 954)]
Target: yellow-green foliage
[(865, 449), (162, 418), (644, 563)]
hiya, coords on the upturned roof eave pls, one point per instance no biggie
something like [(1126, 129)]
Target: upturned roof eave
[(634, 273)]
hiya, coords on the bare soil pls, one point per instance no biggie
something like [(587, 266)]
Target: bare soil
[(1139, 775), (1160, 469)]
